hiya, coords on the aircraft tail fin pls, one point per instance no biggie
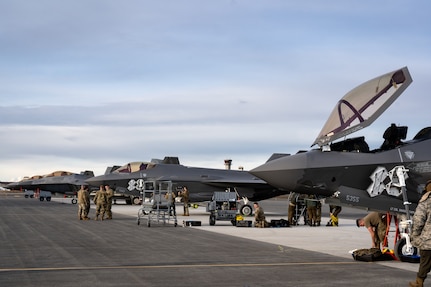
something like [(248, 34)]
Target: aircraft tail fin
[(110, 169)]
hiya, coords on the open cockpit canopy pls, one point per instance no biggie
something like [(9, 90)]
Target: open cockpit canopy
[(363, 105)]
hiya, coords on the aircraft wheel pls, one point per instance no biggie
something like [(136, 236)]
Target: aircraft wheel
[(136, 200), (74, 201), (246, 210), (212, 219), (400, 249)]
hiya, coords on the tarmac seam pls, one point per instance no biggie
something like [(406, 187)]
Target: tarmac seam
[(3, 270)]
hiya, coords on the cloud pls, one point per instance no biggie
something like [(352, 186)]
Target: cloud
[(85, 85)]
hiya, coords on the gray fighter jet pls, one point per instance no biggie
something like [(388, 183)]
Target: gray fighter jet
[(201, 182), (63, 182), (390, 178)]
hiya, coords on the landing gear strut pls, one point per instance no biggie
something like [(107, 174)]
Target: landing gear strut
[(404, 250)]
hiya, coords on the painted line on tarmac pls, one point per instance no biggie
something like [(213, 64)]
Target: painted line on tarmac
[(2, 270)]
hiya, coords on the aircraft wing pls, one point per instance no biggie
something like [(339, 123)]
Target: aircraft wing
[(219, 181), (363, 105), (233, 181)]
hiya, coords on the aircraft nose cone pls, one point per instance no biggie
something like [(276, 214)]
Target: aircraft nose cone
[(283, 173)]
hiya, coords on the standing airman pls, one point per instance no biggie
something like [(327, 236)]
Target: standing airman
[(109, 196), (170, 198), (185, 195), (100, 201), (311, 203), (83, 203)]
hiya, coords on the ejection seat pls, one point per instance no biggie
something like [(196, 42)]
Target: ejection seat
[(393, 136)]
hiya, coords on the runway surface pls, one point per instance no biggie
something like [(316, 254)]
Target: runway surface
[(44, 244)]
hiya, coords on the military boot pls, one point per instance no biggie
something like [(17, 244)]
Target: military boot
[(418, 283)]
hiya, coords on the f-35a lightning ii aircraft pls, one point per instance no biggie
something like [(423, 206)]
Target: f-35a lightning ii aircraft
[(200, 182), (388, 179), (63, 182)]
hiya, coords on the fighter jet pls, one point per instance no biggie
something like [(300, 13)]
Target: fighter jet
[(347, 171), (201, 182), (390, 178), (63, 182)]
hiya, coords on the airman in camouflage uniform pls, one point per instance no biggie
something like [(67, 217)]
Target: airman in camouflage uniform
[(83, 203), (100, 201), (421, 235), (259, 216), (109, 196), (185, 195), (376, 225)]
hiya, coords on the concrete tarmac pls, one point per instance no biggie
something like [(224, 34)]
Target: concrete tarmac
[(44, 244)]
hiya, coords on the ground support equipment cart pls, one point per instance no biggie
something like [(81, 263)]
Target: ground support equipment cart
[(223, 206)]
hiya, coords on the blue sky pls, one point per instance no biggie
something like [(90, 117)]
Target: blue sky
[(87, 84)]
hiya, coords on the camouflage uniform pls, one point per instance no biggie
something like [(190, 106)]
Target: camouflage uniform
[(292, 209), (185, 195), (374, 220), (421, 235), (109, 196), (100, 201), (259, 216), (83, 203), (170, 198), (311, 203)]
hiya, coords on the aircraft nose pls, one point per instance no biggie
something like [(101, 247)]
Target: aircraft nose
[(284, 173)]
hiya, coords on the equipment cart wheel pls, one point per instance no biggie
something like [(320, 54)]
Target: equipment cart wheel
[(74, 201), (400, 249), (246, 210), (212, 219)]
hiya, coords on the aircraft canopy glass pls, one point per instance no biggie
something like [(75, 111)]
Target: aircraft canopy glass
[(134, 166), (58, 173), (363, 105)]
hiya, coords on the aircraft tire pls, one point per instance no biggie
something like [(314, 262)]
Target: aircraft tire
[(136, 200), (399, 250), (246, 210)]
